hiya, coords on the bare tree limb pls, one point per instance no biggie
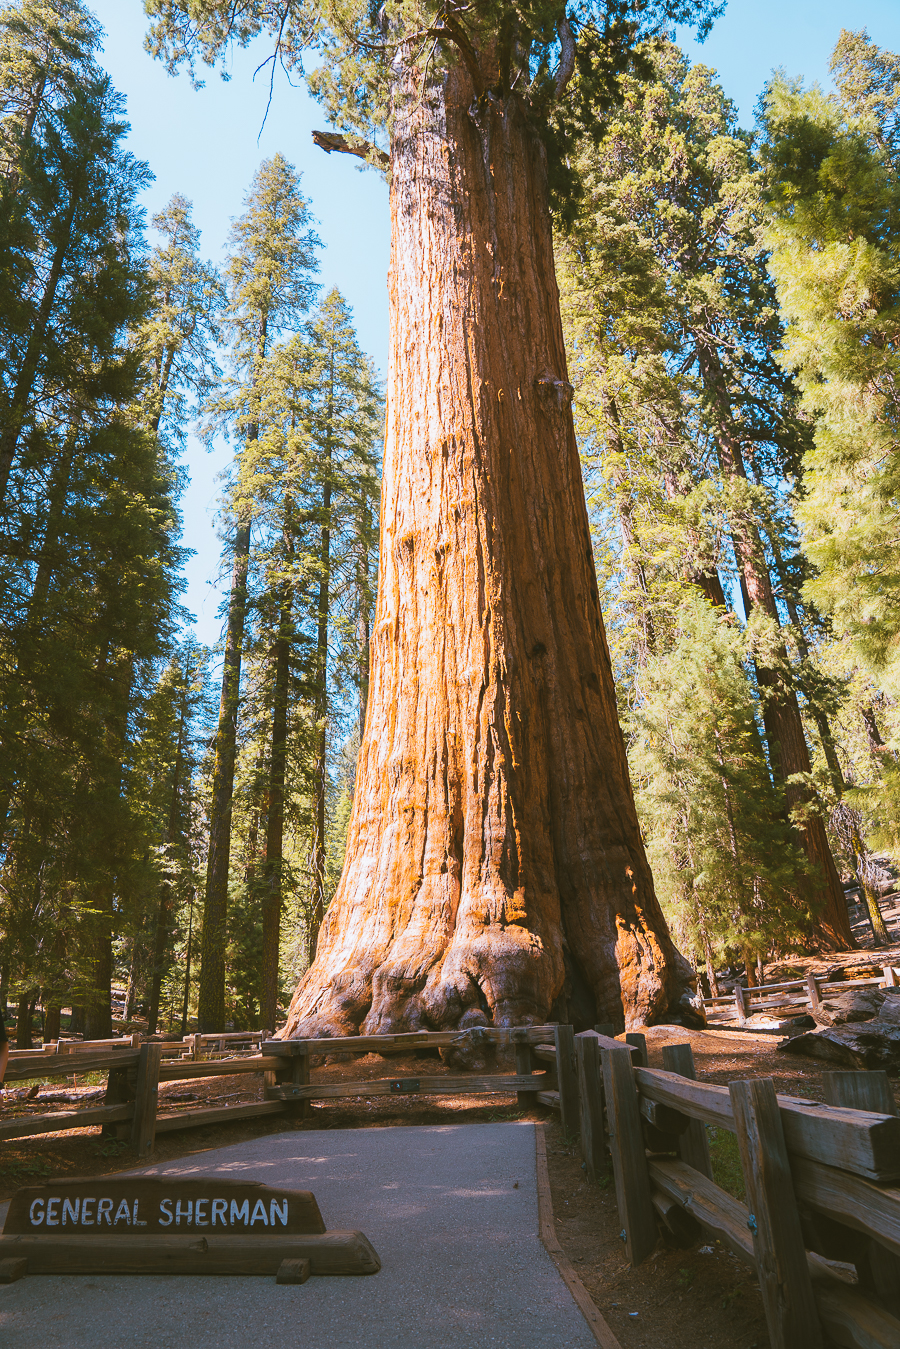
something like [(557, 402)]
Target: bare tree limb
[(330, 141), (566, 68)]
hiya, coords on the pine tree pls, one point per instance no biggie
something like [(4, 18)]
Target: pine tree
[(312, 480), (270, 287), (730, 872), (671, 209), (833, 231)]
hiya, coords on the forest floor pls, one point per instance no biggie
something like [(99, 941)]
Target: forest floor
[(701, 1298)]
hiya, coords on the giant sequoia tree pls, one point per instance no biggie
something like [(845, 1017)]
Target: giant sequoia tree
[(494, 860)]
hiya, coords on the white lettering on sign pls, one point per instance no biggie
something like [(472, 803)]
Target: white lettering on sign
[(57, 1211)]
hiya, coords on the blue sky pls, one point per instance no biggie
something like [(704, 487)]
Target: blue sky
[(208, 143)]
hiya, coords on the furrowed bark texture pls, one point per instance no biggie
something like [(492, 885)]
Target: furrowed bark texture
[(494, 858)]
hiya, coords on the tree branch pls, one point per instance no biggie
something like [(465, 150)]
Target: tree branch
[(330, 141), (566, 67)]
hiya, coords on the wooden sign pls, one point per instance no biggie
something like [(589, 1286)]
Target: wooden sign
[(147, 1205), (163, 1225)]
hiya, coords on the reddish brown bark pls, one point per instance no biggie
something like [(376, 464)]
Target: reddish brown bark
[(494, 859)]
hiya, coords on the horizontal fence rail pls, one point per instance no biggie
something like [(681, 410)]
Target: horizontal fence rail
[(742, 1002), (136, 1071)]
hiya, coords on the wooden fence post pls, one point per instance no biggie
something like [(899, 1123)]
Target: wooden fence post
[(567, 1076), (890, 976), (778, 1245), (524, 1067), (861, 1091), (693, 1145), (300, 1078), (639, 1042), (590, 1091), (812, 989), (626, 1145), (143, 1126), (740, 1005), (606, 1028)]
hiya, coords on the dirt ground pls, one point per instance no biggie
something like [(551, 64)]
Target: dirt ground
[(702, 1298)]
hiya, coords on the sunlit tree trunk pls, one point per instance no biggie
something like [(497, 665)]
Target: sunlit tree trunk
[(494, 859)]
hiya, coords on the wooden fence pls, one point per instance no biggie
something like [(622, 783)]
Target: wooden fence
[(821, 1180), (130, 1109), (796, 993)]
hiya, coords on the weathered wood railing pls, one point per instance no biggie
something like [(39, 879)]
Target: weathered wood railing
[(130, 1107), (820, 1180), (808, 992)]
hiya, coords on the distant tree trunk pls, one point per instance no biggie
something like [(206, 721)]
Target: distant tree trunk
[(24, 1016), (494, 858), (187, 968), (167, 889), (631, 548), (52, 1015), (211, 1004), (788, 750), (272, 876), (320, 769), (14, 414)]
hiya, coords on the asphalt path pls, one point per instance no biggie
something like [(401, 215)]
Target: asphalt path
[(450, 1209)]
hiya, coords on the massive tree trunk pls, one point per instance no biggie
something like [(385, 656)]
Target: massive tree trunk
[(494, 859)]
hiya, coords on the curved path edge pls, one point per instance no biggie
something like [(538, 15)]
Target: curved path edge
[(599, 1327)]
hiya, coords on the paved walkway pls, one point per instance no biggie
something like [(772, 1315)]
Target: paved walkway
[(462, 1264)]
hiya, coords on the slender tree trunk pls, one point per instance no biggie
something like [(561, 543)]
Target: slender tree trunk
[(14, 416), (631, 548), (320, 769), (98, 1012), (31, 630), (51, 1022), (24, 1015), (272, 880), (187, 968), (788, 750), (211, 1005), (494, 854), (166, 889)]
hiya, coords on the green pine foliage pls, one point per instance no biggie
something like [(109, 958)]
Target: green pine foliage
[(727, 867), (834, 217)]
